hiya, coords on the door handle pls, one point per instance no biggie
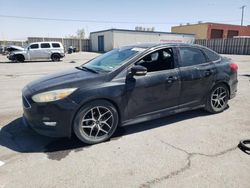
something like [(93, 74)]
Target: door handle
[(171, 79)]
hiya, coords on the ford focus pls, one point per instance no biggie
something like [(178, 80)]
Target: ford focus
[(128, 85)]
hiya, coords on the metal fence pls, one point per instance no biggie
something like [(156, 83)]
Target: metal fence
[(79, 44), (16, 43), (239, 46)]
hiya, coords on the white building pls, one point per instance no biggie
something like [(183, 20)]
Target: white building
[(107, 40)]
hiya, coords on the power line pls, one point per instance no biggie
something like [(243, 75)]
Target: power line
[(97, 21), (78, 20)]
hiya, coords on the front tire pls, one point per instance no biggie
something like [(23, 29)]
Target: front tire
[(217, 100), (19, 58), (96, 122)]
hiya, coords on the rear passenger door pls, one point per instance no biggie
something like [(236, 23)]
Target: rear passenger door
[(45, 51), (197, 76)]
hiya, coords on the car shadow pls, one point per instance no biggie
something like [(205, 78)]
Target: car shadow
[(17, 137)]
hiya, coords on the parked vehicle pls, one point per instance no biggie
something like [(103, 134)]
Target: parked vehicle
[(126, 86), (39, 50), (3, 50), (71, 50)]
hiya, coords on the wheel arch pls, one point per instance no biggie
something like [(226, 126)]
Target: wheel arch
[(224, 83), (90, 101), (20, 55)]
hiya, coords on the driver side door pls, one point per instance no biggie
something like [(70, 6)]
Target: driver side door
[(159, 89), (34, 52)]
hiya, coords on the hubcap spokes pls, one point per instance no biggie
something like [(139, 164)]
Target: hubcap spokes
[(219, 98), (97, 122)]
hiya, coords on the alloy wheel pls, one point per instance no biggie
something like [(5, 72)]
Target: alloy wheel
[(219, 98), (97, 122)]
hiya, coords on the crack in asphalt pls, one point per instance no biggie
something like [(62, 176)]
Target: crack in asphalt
[(185, 167)]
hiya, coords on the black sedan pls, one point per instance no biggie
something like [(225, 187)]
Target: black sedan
[(129, 85)]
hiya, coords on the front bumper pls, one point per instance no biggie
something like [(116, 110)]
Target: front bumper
[(53, 119), (11, 57)]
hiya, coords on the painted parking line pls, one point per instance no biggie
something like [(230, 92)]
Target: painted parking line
[(1, 163)]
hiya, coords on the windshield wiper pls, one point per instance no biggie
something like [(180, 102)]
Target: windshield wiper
[(87, 69)]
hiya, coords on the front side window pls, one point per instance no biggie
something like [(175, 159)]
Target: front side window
[(191, 56), (34, 46), (45, 45), (113, 59), (158, 61)]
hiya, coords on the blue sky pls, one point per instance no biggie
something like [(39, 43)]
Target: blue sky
[(161, 14)]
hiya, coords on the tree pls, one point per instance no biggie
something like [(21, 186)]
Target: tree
[(80, 33)]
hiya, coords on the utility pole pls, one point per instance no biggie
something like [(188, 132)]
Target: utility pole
[(242, 14)]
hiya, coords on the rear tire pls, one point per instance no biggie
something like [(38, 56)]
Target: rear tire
[(217, 100), (96, 122), (55, 57)]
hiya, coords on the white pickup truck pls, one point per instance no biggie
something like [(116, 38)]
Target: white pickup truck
[(39, 50)]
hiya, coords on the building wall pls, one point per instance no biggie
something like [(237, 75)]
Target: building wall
[(117, 38), (200, 30), (108, 40), (213, 30), (242, 30), (128, 38)]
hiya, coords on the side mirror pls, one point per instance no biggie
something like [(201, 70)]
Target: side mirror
[(138, 70), (28, 48)]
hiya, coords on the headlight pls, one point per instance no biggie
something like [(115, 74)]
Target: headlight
[(53, 95)]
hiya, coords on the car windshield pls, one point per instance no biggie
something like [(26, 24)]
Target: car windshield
[(112, 60)]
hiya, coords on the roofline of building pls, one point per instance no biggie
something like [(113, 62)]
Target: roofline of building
[(136, 31), (211, 23)]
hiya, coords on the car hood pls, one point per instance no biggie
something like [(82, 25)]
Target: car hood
[(66, 79), (14, 48)]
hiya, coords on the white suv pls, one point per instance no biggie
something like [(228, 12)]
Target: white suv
[(39, 50)]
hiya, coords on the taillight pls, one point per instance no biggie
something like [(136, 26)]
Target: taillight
[(233, 67)]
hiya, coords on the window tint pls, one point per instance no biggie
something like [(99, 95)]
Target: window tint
[(45, 45), (212, 56), (191, 56), (56, 45), (158, 61), (33, 46)]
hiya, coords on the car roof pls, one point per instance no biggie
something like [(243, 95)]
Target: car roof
[(156, 45), (45, 42)]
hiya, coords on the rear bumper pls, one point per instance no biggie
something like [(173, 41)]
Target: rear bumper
[(233, 89), (62, 55)]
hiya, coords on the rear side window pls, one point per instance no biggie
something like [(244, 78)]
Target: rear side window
[(56, 45), (34, 46), (191, 56), (45, 45), (212, 56)]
